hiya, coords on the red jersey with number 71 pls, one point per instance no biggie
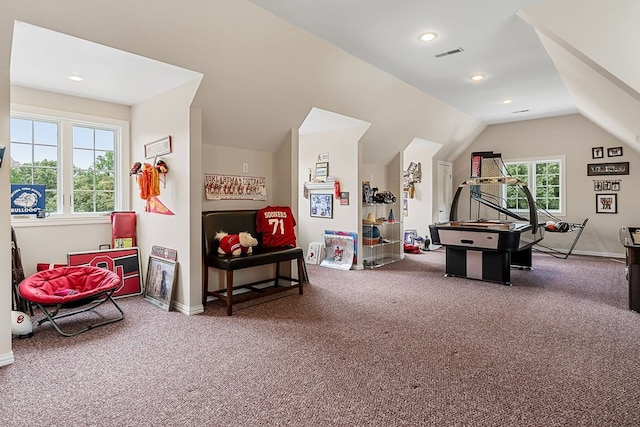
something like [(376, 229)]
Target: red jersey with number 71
[(275, 224)]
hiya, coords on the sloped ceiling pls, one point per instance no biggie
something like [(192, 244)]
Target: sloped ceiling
[(263, 75), (593, 45)]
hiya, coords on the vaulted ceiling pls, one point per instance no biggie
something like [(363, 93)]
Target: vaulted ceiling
[(267, 63)]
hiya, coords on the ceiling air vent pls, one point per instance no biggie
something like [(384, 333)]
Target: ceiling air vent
[(450, 52)]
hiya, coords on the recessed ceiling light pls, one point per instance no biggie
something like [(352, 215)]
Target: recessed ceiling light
[(427, 37), (507, 101), (75, 78), (478, 77)]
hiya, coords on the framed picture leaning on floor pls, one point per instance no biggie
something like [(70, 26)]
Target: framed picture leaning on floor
[(160, 283)]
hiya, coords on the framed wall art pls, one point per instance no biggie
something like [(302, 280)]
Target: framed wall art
[(157, 148), (614, 152), (234, 187), (161, 280), (321, 205), (607, 203), (322, 171), (597, 152), (619, 168), (410, 236)]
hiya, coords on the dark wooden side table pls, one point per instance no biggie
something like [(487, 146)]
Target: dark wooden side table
[(630, 239)]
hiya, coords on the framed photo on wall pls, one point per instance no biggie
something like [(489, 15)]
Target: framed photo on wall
[(619, 168), (614, 152), (161, 280), (321, 205), (157, 148), (322, 171), (607, 203), (597, 152)]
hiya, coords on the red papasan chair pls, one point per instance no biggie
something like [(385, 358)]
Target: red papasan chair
[(65, 291)]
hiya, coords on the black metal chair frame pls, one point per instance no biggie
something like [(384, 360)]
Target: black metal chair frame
[(91, 303)]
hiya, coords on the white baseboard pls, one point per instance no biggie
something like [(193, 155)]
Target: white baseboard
[(600, 254), (189, 311), (7, 359), (590, 253)]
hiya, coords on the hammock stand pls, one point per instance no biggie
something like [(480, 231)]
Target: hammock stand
[(579, 228)]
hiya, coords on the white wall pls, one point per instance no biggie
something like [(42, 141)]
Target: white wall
[(420, 208), (228, 161), (284, 163), (6, 355), (169, 114), (195, 218), (572, 136), (375, 174), (342, 147)]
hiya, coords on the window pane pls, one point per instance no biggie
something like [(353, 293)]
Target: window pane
[(22, 175), (105, 161), (42, 153), (523, 203), (105, 201), (82, 137), (21, 154), (46, 176), (83, 201), (83, 159), (45, 133), (94, 170), (105, 139), (51, 201), (83, 179), (34, 155), (21, 130), (105, 181)]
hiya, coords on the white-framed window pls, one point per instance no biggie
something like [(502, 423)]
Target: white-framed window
[(545, 178), (81, 160)]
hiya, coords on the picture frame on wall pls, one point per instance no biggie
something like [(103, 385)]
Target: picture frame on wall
[(597, 152), (321, 205), (322, 171), (161, 280), (614, 152), (619, 168), (607, 203), (157, 148)]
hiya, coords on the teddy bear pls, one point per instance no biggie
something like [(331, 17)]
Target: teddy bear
[(236, 244)]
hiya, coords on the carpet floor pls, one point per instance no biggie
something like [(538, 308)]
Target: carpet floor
[(399, 345)]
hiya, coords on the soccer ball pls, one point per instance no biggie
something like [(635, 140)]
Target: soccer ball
[(21, 324)]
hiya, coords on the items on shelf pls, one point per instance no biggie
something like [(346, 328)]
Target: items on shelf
[(381, 236)]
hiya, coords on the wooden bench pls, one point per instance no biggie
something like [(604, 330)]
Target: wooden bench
[(234, 222)]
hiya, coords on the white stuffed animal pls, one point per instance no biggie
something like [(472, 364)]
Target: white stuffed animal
[(236, 244)]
